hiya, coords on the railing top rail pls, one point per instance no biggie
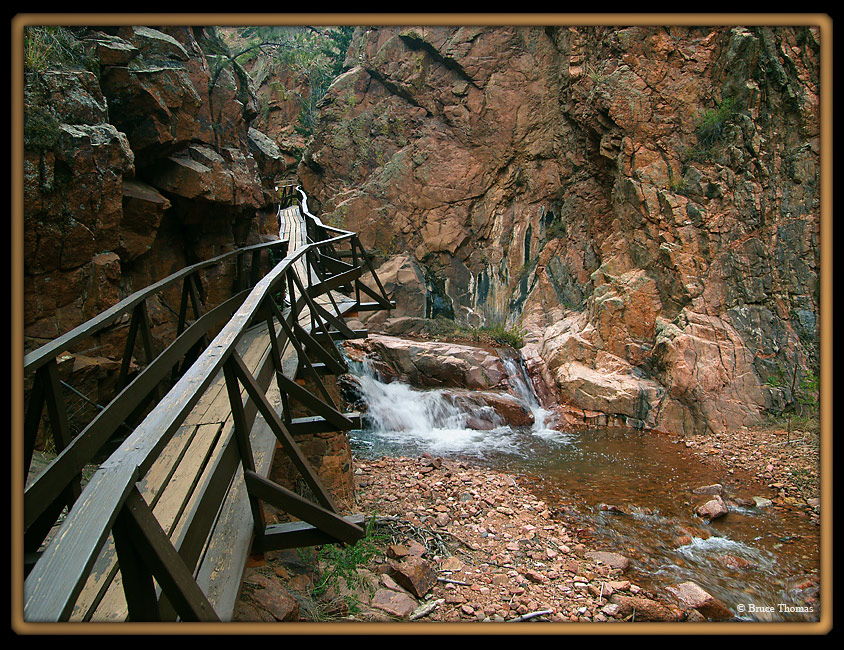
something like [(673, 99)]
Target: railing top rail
[(37, 358), (54, 583), (307, 214)]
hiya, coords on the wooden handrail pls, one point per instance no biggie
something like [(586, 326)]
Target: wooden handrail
[(45, 497), (35, 359)]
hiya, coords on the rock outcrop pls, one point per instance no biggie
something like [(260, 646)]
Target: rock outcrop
[(642, 201), (429, 364), (134, 171), (472, 378)]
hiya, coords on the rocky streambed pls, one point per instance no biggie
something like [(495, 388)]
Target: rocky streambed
[(497, 522), (455, 542)]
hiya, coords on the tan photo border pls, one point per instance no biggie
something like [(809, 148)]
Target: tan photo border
[(822, 21)]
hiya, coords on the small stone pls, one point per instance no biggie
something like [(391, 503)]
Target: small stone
[(614, 560), (397, 551), (644, 609), (611, 609), (416, 549), (389, 583), (534, 576), (451, 563), (395, 603), (693, 595), (500, 579), (735, 562), (414, 574), (271, 597), (715, 488), (712, 509)]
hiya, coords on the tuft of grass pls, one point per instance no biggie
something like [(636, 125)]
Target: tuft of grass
[(441, 327), (48, 48), (344, 561), (513, 337), (52, 46), (711, 129)]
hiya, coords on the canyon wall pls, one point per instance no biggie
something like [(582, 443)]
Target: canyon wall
[(643, 202)]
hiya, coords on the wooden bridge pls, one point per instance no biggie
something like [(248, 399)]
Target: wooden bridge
[(163, 528)]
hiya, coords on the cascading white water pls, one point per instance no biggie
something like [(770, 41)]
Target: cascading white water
[(438, 421), (398, 407), (521, 384)]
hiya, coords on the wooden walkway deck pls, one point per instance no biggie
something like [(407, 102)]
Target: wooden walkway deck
[(173, 483), (202, 462), (199, 443)]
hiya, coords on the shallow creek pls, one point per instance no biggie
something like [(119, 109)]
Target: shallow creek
[(631, 491)]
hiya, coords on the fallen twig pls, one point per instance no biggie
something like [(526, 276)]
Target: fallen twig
[(530, 615), (453, 582)]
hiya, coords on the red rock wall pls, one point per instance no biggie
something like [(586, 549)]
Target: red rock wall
[(152, 169), (581, 182)]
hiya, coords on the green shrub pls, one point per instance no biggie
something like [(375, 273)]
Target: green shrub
[(713, 124)]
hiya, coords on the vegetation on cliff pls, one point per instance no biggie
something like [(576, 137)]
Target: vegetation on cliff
[(309, 57)]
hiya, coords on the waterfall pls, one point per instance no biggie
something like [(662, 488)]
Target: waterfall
[(398, 407), (523, 388), (445, 420), (435, 420)]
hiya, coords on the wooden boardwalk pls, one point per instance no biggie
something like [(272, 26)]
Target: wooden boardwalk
[(182, 497), (171, 483)]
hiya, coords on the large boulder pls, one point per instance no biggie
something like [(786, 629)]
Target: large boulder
[(429, 364)]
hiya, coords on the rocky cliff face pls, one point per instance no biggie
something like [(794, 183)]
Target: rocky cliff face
[(135, 168), (643, 201)]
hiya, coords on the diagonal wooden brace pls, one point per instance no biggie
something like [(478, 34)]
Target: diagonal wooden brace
[(136, 528), (329, 522), (282, 433)]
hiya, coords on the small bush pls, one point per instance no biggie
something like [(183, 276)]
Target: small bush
[(714, 122), (54, 47)]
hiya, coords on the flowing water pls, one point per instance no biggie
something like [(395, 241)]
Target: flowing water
[(632, 491)]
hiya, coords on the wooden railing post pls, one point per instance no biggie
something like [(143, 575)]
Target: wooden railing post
[(241, 432), (145, 552)]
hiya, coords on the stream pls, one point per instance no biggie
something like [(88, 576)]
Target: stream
[(631, 491)]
